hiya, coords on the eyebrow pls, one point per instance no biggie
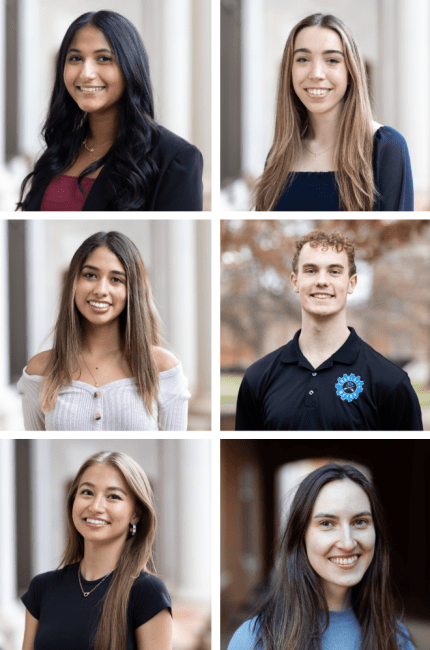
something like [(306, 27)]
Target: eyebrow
[(104, 49), (330, 266), (117, 489), (325, 515), (94, 268), (307, 51)]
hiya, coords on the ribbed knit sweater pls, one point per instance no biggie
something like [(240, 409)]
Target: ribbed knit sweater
[(114, 407)]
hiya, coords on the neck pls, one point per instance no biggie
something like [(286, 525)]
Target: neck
[(338, 598), (323, 128), (99, 560), (321, 337), (99, 340), (103, 127)]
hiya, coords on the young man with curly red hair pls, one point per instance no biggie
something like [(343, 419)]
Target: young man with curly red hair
[(326, 378)]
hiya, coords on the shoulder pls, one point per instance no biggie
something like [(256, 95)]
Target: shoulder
[(379, 365), (403, 637), (38, 364), (164, 359), (387, 138), (266, 365), (150, 585), (375, 126), (245, 636), (172, 142)]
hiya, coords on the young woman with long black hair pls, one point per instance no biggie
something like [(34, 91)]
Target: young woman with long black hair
[(331, 588), (106, 595), (327, 152), (104, 149), (106, 371)]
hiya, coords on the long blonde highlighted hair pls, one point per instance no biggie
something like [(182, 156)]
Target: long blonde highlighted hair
[(139, 323), (353, 147), (136, 555)]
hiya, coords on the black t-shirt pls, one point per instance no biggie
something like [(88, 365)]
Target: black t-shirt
[(68, 620), (356, 389)]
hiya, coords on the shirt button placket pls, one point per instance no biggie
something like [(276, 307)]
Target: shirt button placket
[(97, 417), (310, 399)]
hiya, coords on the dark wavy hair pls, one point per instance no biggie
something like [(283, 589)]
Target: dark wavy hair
[(139, 323), (290, 616), (132, 170)]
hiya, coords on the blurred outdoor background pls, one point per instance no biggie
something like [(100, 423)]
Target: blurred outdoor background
[(394, 40), (177, 36), (36, 474), (258, 482), (389, 309), (34, 256)]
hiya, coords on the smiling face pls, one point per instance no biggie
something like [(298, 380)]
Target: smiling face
[(319, 72), (101, 289), (104, 506), (340, 539), (92, 75), (322, 280)]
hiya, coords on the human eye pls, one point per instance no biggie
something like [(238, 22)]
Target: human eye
[(310, 271), (115, 497), (326, 524), (73, 58), (333, 61), (89, 274), (301, 59), (362, 523), (104, 59), (117, 280), (85, 491)]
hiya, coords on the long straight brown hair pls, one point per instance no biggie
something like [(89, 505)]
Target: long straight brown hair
[(136, 555), (353, 147), (290, 616), (139, 323)]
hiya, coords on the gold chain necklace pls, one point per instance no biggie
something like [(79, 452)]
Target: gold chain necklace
[(317, 154), (95, 148), (87, 593)]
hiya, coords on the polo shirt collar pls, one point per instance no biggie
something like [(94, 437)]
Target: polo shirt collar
[(347, 354)]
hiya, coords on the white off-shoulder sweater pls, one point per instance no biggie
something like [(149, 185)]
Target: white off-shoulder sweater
[(114, 407)]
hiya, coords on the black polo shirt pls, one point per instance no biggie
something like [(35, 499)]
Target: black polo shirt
[(356, 389)]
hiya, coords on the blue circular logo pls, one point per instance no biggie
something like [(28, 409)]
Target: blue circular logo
[(349, 387)]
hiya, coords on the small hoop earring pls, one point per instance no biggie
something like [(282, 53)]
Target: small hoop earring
[(133, 529)]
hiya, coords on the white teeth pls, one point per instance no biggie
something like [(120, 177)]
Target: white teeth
[(317, 91), (96, 521), (321, 295), (100, 305), (344, 560), (91, 90)]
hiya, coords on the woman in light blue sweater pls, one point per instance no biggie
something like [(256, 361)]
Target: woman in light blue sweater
[(332, 589)]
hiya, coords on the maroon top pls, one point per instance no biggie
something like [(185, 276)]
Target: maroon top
[(63, 194)]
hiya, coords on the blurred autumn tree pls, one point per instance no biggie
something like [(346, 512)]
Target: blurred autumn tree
[(256, 260)]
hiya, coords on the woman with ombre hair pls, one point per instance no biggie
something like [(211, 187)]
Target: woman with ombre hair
[(327, 152), (105, 594), (107, 370)]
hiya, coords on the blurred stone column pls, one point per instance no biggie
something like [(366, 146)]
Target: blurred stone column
[(8, 526), (176, 108), (404, 68), (3, 59), (28, 77), (254, 149), (41, 507)]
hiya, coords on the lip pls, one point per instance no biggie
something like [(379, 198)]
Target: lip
[(98, 310), (95, 526), (345, 567), (317, 96)]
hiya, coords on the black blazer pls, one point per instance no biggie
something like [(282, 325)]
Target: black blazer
[(178, 186)]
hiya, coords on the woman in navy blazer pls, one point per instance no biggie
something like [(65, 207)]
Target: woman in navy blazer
[(104, 149)]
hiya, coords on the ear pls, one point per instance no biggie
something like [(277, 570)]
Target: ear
[(293, 280), (135, 519), (352, 283)]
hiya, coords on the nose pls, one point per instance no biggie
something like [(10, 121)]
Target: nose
[(346, 541), (96, 504), (322, 279), (101, 289), (88, 70), (317, 70)]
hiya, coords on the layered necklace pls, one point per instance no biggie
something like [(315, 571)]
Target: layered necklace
[(95, 149)]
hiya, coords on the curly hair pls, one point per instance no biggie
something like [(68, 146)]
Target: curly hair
[(335, 239)]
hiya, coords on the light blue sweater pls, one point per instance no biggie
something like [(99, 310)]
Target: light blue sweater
[(343, 633)]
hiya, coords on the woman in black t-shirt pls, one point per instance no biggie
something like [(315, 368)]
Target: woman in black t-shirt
[(106, 595)]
